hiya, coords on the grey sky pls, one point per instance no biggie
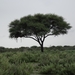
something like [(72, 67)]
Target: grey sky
[(15, 9)]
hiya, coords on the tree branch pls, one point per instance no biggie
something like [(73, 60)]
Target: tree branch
[(43, 38), (38, 39), (33, 38), (48, 35)]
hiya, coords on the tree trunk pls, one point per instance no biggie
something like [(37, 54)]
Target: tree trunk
[(42, 49)]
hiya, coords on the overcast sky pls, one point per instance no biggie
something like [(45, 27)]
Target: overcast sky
[(15, 9)]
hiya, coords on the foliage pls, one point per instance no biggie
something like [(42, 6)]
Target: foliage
[(54, 62), (13, 66), (38, 27), (35, 48)]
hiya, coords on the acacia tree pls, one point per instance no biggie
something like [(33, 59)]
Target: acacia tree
[(38, 27)]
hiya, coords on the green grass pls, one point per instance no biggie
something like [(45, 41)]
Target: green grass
[(52, 62)]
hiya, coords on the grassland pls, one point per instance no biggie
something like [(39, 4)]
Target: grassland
[(34, 62)]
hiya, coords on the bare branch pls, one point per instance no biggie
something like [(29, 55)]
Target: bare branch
[(48, 35), (38, 38), (32, 38), (43, 38)]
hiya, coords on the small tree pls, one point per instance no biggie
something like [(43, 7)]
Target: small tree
[(38, 27)]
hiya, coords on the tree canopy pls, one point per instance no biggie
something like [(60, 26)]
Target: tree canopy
[(38, 27)]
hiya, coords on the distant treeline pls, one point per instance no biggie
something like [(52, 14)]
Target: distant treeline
[(21, 49)]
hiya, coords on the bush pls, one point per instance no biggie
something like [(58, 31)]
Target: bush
[(50, 62)]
